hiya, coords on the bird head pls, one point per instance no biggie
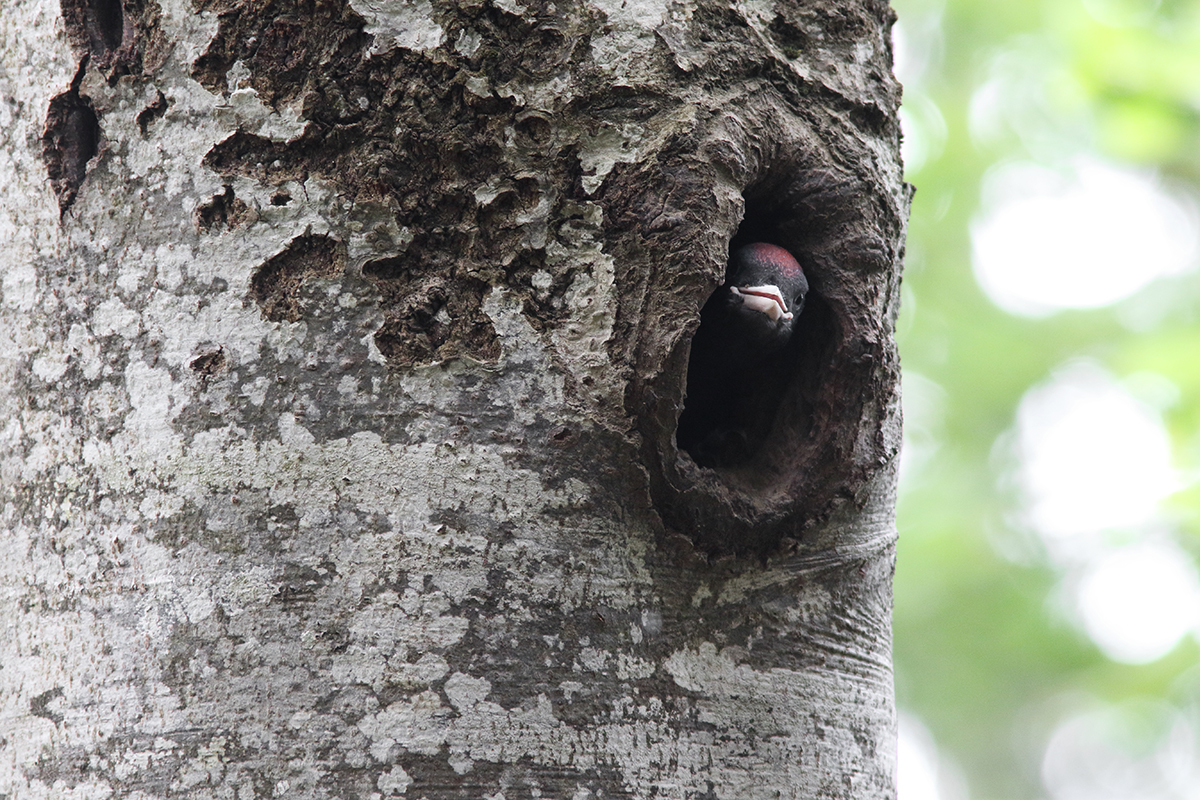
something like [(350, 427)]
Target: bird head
[(766, 289)]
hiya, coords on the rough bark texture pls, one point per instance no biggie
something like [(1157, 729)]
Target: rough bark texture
[(341, 349)]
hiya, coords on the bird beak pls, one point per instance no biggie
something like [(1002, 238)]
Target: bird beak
[(767, 299)]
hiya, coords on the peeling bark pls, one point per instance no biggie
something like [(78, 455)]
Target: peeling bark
[(338, 446)]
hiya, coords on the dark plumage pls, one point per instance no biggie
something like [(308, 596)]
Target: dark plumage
[(736, 372)]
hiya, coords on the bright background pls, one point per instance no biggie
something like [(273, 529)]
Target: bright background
[(1047, 598)]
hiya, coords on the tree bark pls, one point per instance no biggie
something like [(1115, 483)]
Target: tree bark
[(343, 347)]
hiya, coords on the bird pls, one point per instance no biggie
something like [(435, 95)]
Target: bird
[(738, 366)]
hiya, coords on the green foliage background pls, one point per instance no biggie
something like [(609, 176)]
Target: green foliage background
[(988, 655)]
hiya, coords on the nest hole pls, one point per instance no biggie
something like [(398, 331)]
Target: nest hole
[(757, 432), (812, 399)]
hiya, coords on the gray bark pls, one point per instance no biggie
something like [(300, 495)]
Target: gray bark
[(341, 352)]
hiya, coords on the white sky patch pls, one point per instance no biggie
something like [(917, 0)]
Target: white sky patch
[(1031, 94), (916, 762), (924, 130), (1092, 457), (1135, 751), (924, 404), (917, 41), (1084, 237), (1122, 13), (1137, 602), (1094, 467), (917, 46), (921, 772)]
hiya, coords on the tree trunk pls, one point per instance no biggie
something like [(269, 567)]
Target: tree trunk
[(343, 347)]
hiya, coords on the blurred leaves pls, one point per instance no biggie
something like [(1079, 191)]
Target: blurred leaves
[(990, 654)]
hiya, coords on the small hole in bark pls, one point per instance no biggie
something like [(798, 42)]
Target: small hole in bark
[(790, 39), (94, 27), (536, 129), (277, 283), (153, 110), (106, 24), (71, 139), (431, 323), (209, 359), (386, 269), (224, 210)]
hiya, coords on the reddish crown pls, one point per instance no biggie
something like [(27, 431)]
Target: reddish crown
[(778, 258)]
